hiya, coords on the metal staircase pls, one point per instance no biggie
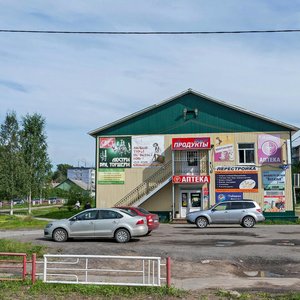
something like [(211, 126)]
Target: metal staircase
[(149, 187)]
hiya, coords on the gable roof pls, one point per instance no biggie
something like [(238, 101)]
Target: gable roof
[(236, 108), (79, 183)]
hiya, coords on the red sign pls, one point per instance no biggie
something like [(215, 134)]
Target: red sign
[(191, 143), (190, 179)]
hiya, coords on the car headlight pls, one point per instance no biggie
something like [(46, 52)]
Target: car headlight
[(49, 225)]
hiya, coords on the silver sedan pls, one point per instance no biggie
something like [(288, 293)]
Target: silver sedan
[(98, 223)]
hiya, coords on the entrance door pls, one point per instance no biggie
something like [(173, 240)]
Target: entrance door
[(190, 200)]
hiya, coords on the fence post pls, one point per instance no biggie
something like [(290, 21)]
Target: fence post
[(24, 267), (33, 268), (168, 265)]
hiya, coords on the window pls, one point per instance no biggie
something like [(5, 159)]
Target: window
[(220, 207), (246, 153), (109, 214), (90, 215), (249, 205), (236, 205), (192, 158)]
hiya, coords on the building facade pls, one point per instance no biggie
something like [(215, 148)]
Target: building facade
[(87, 175), (191, 151)]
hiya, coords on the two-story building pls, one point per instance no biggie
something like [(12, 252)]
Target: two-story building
[(191, 151)]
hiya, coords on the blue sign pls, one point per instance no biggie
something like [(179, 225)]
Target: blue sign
[(228, 196)]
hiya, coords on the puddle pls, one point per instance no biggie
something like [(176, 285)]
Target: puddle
[(224, 243), (262, 274), (285, 243)]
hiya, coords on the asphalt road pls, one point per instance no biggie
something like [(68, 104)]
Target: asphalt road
[(264, 257)]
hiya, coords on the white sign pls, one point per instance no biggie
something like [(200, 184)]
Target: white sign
[(148, 151)]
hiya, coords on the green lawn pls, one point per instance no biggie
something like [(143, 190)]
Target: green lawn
[(20, 222), (54, 213), (40, 290)]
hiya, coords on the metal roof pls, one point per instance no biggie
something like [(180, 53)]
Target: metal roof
[(191, 91)]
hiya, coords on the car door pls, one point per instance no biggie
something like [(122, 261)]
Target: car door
[(107, 223), (219, 213), (235, 211), (82, 225)]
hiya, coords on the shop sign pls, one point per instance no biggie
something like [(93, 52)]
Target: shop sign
[(274, 180), (237, 182), (236, 168), (111, 176), (224, 148), (115, 152), (190, 179), (147, 151), (224, 196), (193, 143), (269, 149), (274, 201)]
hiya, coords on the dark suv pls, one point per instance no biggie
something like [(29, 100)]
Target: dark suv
[(243, 212)]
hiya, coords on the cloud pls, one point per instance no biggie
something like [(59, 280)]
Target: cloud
[(13, 85), (79, 83)]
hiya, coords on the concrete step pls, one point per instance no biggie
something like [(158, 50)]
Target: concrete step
[(179, 221)]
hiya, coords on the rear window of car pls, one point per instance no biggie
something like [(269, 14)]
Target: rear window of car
[(128, 212), (249, 205), (142, 210)]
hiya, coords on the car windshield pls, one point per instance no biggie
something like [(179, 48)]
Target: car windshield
[(142, 210)]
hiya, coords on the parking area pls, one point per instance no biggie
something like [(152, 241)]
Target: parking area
[(217, 256)]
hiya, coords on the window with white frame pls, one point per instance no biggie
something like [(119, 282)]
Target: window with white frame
[(246, 153)]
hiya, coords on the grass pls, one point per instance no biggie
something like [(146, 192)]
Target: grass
[(54, 213), (20, 247), (281, 222), (40, 290), (20, 222)]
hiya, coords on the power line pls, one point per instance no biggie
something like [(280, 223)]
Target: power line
[(148, 32)]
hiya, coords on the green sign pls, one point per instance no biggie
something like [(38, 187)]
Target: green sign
[(111, 176), (115, 152)]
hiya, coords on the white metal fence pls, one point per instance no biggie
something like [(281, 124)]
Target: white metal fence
[(103, 270)]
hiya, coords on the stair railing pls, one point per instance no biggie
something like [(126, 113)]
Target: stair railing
[(146, 187)]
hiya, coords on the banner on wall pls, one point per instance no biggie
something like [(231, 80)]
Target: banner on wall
[(224, 196), (148, 151), (111, 176), (224, 148), (269, 149), (274, 180), (235, 179), (115, 152), (274, 201)]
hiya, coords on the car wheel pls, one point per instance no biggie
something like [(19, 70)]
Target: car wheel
[(122, 235), (201, 222), (248, 222), (60, 235)]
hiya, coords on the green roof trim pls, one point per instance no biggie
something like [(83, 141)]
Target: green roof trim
[(210, 116)]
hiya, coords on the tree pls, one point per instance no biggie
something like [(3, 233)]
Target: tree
[(34, 150), (61, 172), (12, 166)]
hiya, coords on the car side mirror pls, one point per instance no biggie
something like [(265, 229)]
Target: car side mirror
[(73, 219)]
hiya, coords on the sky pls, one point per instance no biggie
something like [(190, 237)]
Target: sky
[(82, 82)]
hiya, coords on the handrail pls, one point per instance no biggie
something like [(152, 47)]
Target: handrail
[(146, 187)]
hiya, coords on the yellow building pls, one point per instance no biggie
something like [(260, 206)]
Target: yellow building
[(191, 151)]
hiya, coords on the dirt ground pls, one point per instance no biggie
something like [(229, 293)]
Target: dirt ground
[(264, 258)]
